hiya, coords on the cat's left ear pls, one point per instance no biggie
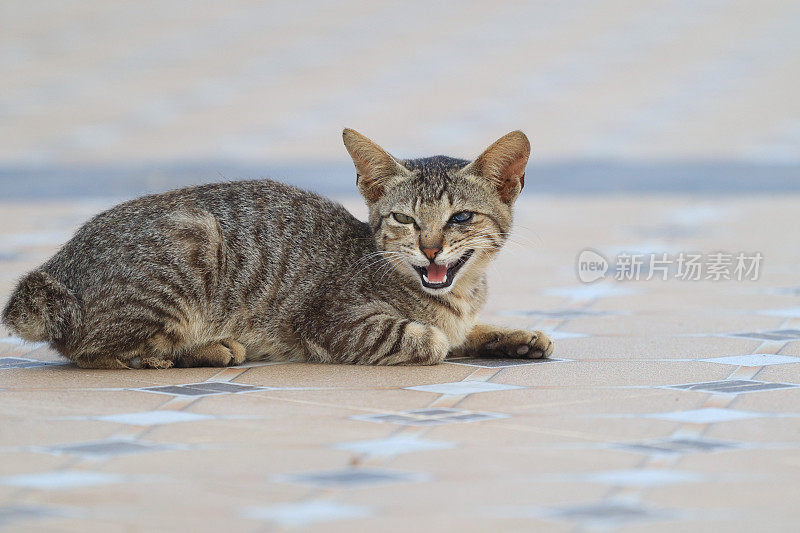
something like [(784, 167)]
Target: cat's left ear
[(503, 163), (375, 167)]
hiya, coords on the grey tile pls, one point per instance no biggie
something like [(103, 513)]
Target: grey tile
[(496, 362), (773, 335), (470, 417), (609, 514), (433, 411), (348, 478), (207, 388), (21, 362), (732, 386), (430, 417), (20, 513), (754, 359), (108, 448), (679, 446)]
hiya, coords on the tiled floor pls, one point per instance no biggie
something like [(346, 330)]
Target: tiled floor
[(668, 406)]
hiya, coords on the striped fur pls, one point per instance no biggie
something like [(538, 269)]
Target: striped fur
[(257, 270)]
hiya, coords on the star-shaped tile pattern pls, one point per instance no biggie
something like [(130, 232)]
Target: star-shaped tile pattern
[(679, 445), (732, 386), (708, 415), (65, 479), (153, 418), (307, 513), (10, 514), (108, 448), (350, 478), (787, 312), (392, 446), (772, 335), (458, 388), (754, 359), (22, 362), (206, 388), (609, 514), (432, 416)]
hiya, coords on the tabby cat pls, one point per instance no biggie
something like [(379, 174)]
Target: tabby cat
[(220, 274)]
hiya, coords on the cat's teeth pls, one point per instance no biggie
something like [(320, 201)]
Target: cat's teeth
[(425, 277)]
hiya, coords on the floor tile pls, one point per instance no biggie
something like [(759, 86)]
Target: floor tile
[(392, 446), (208, 388), (350, 478), (608, 515), (62, 480), (12, 514), (555, 313), (788, 312), (708, 415), (591, 292), (679, 445), (21, 362), (601, 515), (307, 513), (153, 418), (430, 417), (464, 387), (641, 477), (107, 448), (558, 335), (733, 386), (496, 362), (773, 335), (10, 339), (756, 359)]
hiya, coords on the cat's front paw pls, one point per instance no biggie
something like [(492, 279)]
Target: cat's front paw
[(519, 343)]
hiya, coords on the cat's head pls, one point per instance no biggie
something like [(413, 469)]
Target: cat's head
[(440, 220)]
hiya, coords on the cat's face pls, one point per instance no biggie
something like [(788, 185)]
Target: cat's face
[(438, 221)]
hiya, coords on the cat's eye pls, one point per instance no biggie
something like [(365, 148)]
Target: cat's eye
[(461, 218), (403, 219)]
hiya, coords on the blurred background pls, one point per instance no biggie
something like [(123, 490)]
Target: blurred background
[(110, 98)]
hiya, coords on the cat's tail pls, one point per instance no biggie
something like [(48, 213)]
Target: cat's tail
[(43, 309)]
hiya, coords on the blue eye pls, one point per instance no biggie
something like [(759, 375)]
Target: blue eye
[(461, 218)]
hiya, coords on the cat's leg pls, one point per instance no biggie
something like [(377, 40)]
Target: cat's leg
[(380, 339), (226, 352), (497, 341), (104, 362)]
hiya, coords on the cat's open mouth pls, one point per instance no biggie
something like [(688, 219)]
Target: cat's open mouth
[(436, 276)]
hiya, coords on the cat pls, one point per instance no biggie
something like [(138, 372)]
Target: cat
[(220, 274)]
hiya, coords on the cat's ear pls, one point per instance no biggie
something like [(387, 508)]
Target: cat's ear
[(503, 163), (375, 167)]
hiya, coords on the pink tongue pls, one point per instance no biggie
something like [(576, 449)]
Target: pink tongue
[(437, 273)]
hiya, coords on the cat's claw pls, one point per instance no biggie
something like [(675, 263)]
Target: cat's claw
[(519, 343)]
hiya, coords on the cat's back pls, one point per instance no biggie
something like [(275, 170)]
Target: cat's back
[(243, 215)]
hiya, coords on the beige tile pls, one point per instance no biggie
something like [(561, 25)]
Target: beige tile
[(612, 373), (351, 376)]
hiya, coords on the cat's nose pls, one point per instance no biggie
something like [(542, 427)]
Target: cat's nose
[(430, 253)]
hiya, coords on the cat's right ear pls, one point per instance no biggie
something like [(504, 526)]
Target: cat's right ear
[(374, 165)]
